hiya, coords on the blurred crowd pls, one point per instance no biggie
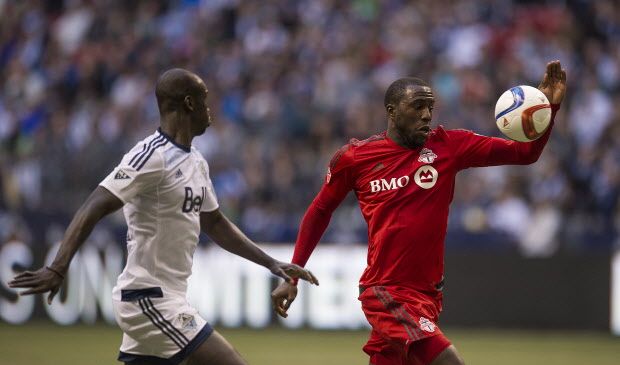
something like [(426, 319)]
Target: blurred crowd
[(292, 81)]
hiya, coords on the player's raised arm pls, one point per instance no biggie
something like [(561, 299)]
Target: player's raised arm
[(473, 150), (228, 236), (49, 278)]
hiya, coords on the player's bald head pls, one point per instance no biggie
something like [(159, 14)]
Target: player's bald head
[(176, 84), (398, 89)]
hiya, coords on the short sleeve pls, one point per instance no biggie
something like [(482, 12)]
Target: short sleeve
[(339, 168), (210, 199), (137, 173), (339, 179)]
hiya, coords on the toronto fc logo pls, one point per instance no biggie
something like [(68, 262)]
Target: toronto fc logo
[(427, 325), (427, 156)]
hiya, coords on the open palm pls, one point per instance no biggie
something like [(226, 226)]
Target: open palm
[(553, 84)]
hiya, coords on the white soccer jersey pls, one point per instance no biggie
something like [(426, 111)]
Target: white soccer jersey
[(164, 186)]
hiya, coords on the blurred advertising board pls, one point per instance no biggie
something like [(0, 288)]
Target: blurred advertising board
[(615, 294), (482, 289)]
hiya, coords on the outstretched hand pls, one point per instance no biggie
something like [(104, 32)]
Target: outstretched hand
[(282, 298), (289, 272), (553, 84), (40, 281)]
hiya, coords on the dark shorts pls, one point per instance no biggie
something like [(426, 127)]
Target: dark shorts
[(404, 326)]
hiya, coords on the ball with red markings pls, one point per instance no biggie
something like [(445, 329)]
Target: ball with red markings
[(523, 113)]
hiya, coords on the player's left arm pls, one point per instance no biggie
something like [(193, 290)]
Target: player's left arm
[(473, 150), (228, 236)]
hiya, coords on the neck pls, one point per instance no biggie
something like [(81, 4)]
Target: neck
[(177, 129), (395, 136)]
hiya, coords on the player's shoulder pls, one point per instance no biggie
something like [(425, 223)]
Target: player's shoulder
[(368, 142), (453, 134), (457, 132), (199, 158), (346, 154), (147, 154)]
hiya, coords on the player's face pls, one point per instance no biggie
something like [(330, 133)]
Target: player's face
[(412, 116), (202, 114)]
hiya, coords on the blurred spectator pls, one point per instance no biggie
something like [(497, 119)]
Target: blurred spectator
[(292, 81)]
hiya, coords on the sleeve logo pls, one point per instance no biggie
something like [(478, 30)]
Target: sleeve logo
[(121, 175)]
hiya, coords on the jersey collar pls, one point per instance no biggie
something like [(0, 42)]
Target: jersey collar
[(184, 148), (391, 142)]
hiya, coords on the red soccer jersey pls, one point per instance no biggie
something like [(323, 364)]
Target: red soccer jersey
[(404, 195)]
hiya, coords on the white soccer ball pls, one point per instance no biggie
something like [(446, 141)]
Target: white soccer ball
[(523, 113)]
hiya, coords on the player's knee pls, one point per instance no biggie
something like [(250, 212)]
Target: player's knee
[(449, 356), (435, 350), (216, 351)]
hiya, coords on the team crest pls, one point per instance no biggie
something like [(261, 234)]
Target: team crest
[(203, 170), (427, 156), (328, 177), (187, 321), (427, 325)]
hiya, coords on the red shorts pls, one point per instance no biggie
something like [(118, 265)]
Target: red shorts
[(404, 326)]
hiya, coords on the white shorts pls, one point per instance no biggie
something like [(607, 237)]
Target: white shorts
[(158, 329)]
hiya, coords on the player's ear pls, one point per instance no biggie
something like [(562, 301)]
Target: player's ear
[(390, 110), (188, 102)]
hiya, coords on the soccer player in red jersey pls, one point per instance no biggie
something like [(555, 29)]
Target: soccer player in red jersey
[(404, 182)]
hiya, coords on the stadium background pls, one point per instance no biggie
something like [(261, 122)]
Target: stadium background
[(290, 82)]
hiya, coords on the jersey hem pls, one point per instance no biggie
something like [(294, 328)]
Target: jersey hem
[(176, 359)]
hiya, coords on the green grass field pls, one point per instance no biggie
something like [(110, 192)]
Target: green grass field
[(49, 344)]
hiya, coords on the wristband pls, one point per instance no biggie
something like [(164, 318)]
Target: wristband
[(55, 272)]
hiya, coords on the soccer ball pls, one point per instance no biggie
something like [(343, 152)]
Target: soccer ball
[(523, 113)]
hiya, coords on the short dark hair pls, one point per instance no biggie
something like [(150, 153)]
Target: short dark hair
[(397, 89)]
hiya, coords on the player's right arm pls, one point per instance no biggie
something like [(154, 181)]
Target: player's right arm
[(49, 278), (338, 183)]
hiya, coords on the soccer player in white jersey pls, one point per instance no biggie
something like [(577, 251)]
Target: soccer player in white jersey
[(167, 197)]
